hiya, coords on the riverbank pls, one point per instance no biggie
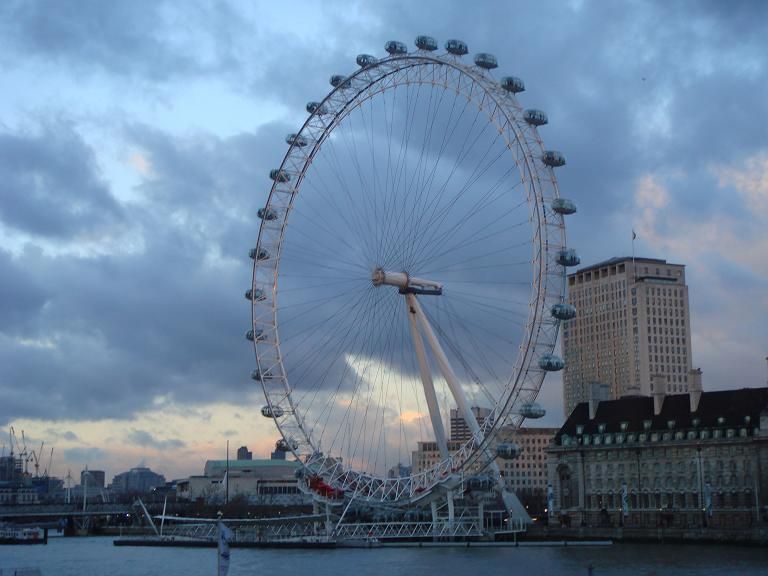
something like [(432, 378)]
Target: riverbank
[(744, 537)]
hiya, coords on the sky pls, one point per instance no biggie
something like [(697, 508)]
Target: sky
[(135, 142)]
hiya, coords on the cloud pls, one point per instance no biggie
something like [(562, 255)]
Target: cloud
[(50, 184), (147, 440), (142, 38), (84, 455)]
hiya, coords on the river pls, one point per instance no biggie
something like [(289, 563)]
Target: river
[(97, 556)]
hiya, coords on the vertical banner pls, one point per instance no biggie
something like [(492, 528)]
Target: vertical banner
[(708, 499), (225, 535), (550, 501), (624, 500)]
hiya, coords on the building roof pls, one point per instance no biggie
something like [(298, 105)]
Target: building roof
[(241, 464), (732, 405), (619, 259)]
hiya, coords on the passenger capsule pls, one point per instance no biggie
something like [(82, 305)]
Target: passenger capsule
[(426, 43), (267, 214), (394, 47), (563, 311), (255, 295), (272, 412), (532, 410), (316, 108), (551, 363), (365, 60), (256, 336), (456, 47), (553, 158), (480, 483), (508, 451), (283, 445), (568, 257), (279, 175), (563, 206), (486, 61), (535, 117), (259, 377), (296, 140), (512, 84), (339, 81)]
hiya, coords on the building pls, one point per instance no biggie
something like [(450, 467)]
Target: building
[(525, 475), (265, 482), (137, 480), (244, 454), (683, 460), (631, 332), (459, 431), (95, 478)]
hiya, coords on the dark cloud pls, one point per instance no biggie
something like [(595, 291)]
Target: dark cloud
[(50, 184), (84, 455), (147, 440), (143, 38)]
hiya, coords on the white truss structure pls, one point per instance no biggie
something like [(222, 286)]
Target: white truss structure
[(500, 108)]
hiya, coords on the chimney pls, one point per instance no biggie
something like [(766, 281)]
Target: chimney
[(597, 393), (694, 388), (659, 385)]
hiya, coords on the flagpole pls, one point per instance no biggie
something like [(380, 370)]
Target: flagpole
[(634, 269)]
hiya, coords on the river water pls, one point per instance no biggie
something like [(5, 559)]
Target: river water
[(97, 556)]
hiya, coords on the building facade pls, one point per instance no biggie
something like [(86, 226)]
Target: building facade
[(137, 480), (525, 475), (684, 460), (631, 334)]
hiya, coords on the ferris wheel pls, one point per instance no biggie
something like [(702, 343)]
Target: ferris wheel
[(409, 266)]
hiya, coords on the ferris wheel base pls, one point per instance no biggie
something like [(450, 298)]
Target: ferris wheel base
[(515, 508)]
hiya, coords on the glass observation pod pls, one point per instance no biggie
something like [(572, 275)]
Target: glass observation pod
[(508, 451), (426, 43), (535, 117), (279, 175), (568, 257), (267, 214), (480, 483), (255, 295), (262, 254), (258, 376), (551, 363), (512, 84), (563, 206), (364, 60), (283, 445), (553, 158), (273, 412), (563, 311), (394, 47), (257, 336), (296, 140), (456, 47), (486, 61), (337, 80), (532, 410), (316, 108)]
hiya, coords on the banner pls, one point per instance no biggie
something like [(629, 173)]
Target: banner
[(550, 500), (225, 535), (624, 500)]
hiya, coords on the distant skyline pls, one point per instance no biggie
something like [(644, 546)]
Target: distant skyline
[(135, 143)]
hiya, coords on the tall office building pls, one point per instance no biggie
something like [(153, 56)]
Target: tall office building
[(631, 334)]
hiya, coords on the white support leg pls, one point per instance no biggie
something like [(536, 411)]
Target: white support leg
[(426, 379), (447, 371)]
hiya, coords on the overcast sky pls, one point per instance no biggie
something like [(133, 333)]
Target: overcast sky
[(135, 140)]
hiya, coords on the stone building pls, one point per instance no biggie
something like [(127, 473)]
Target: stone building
[(684, 460), (631, 332)]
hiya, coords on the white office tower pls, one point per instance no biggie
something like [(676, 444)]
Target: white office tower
[(631, 334)]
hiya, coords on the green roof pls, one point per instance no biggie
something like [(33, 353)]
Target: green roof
[(239, 464)]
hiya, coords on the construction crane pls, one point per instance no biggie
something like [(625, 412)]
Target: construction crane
[(49, 469)]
